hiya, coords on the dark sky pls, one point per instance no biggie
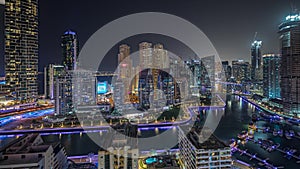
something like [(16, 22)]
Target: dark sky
[(230, 25)]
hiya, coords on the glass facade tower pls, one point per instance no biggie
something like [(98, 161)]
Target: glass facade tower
[(256, 61), (21, 47), (271, 75), (289, 32), (70, 49)]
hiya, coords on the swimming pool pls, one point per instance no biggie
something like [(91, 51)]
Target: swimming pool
[(151, 160)]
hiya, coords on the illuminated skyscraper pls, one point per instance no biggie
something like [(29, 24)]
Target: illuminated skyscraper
[(271, 75), (125, 70), (227, 69), (124, 61), (160, 61), (240, 70), (21, 47), (145, 55), (2, 9), (289, 32), (124, 52), (70, 49), (52, 72), (256, 61)]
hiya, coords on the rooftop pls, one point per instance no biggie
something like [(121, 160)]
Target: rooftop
[(195, 135), (69, 32), (293, 17), (32, 143)]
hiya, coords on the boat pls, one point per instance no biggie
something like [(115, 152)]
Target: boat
[(292, 133), (280, 132), (266, 130), (243, 135), (288, 122), (287, 135), (275, 133), (254, 118), (265, 116), (233, 143), (293, 151), (294, 121)]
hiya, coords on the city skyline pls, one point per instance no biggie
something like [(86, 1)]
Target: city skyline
[(218, 29), (149, 89)]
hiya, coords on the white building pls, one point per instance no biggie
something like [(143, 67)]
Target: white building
[(210, 154), (122, 153), (31, 152)]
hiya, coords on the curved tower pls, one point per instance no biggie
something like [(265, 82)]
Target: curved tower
[(289, 32)]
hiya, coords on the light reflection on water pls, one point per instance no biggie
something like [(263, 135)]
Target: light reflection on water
[(235, 119)]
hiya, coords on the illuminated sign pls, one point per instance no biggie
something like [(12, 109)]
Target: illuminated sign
[(102, 87)]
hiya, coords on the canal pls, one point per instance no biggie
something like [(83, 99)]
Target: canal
[(237, 116)]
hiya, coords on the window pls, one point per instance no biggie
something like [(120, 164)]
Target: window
[(286, 39)]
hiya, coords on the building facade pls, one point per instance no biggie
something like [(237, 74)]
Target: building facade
[(271, 73), (21, 47), (209, 154), (145, 52), (227, 69), (30, 151), (122, 157), (289, 32), (122, 151), (125, 68), (70, 49), (63, 95), (241, 70), (256, 61), (52, 72)]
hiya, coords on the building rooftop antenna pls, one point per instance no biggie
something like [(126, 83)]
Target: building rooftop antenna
[(255, 36), (293, 6)]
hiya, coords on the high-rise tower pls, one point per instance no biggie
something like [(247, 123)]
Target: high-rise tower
[(70, 49), (289, 32), (256, 61), (271, 75), (125, 70), (21, 47)]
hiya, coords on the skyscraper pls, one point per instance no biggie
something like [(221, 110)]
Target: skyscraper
[(145, 55), (256, 61), (2, 9), (52, 72), (271, 73), (21, 47), (289, 32), (70, 49), (124, 52), (240, 70), (125, 70), (227, 69)]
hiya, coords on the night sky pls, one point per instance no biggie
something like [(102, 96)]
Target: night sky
[(230, 26)]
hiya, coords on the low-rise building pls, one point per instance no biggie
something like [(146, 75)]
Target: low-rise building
[(30, 151), (211, 153), (122, 151)]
